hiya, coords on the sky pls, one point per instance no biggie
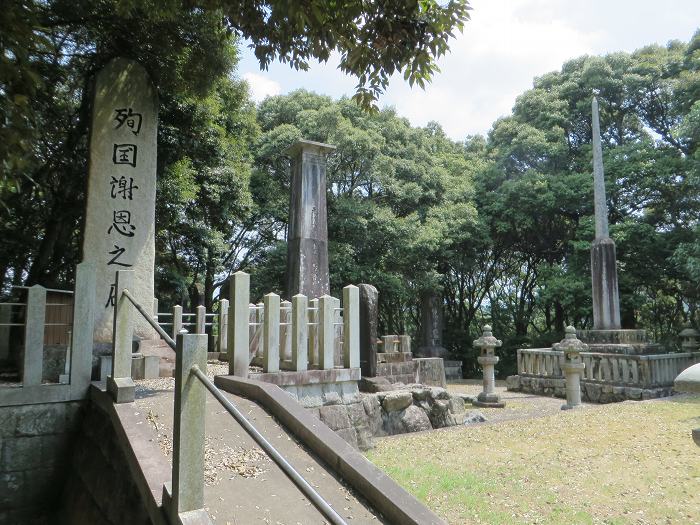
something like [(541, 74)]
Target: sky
[(505, 45)]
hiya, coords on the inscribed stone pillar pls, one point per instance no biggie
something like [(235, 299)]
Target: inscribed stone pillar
[(431, 326), (369, 320), (307, 248), (606, 300), (120, 215)]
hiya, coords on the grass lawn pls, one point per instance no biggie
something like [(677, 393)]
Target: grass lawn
[(632, 462)]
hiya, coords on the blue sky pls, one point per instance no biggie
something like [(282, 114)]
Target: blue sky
[(505, 45)]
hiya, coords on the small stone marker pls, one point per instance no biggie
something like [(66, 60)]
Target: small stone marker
[(572, 367), (307, 249), (488, 359), (120, 216)]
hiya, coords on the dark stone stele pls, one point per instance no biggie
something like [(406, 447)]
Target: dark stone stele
[(606, 303), (369, 319), (307, 248), (431, 326)]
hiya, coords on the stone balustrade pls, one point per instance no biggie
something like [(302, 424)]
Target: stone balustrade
[(644, 371)]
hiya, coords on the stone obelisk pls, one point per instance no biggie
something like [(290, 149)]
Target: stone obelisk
[(307, 241), (606, 300), (120, 214)]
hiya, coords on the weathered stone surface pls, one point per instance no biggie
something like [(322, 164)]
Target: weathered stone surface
[(431, 326), (439, 393), (688, 380), (440, 414), (307, 251), (348, 434), (430, 371), (369, 319), (415, 419), (421, 393), (395, 401), (456, 405), (593, 392), (335, 416), (606, 301), (120, 214), (474, 416), (513, 383), (375, 384)]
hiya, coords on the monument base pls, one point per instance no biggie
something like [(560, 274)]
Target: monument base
[(627, 342), (484, 400)]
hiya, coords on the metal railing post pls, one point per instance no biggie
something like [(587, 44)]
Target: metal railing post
[(188, 425), (34, 325), (120, 384), (239, 290), (83, 327), (300, 333), (351, 327), (271, 333)]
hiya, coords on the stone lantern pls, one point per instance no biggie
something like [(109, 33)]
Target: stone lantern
[(488, 359), (689, 339), (573, 366)]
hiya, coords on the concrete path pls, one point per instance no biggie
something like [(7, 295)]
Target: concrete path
[(242, 485)]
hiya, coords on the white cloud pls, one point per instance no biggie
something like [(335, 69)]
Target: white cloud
[(261, 86), (505, 45)]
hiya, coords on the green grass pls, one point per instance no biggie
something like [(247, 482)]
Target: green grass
[(626, 463)]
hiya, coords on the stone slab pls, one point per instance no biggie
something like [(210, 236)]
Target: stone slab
[(120, 214)]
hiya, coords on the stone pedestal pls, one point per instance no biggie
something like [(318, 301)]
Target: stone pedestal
[(572, 367), (307, 248), (488, 343), (627, 342), (120, 214), (431, 326)]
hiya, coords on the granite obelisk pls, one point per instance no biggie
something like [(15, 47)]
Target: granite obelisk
[(606, 299), (307, 241), (120, 214)]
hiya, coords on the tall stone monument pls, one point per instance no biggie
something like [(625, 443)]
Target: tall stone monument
[(120, 215), (369, 329), (607, 335), (307, 240), (606, 299), (431, 326)]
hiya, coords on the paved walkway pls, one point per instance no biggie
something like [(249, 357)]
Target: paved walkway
[(242, 485)]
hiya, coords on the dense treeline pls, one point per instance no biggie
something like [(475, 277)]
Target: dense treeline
[(500, 225)]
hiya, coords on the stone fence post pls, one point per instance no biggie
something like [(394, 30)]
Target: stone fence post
[(238, 336), (120, 384), (177, 320), (300, 333), (573, 366), (271, 333), (34, 325), (200, 320), (351, 327), (223, 328), (326, 305), (488, 359), (83, 328), (188, 429)]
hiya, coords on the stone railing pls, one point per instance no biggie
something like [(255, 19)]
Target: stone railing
[(197, 322), (642, 371), (74, 381), (292, 336)]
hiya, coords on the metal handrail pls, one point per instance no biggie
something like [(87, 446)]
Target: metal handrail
[(288, 469), (150, 320)]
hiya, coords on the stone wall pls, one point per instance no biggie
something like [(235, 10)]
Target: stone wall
[(100, 489), (590, 392), (413, 408), (35, 444)]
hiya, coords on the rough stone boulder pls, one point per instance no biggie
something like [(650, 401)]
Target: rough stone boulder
[(474, 416), (395, 401), (415, 419)]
